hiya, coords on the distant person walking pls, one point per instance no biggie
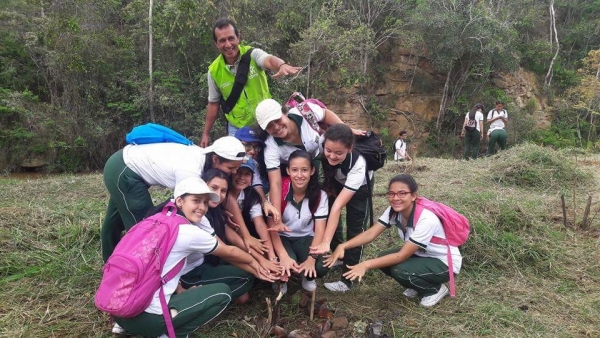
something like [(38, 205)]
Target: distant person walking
[(222, 77), (472, 131), (497, 118), (400, 153)]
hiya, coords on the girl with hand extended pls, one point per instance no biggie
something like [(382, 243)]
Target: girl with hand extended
[(253, 141), (345, 172), (216, 223), (421, 264), (288, 131), (304, 216), (197, 306), (130, 172)]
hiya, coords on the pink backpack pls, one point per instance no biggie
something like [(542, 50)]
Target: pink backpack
[(132, 273), (297, 100), (456, 227)]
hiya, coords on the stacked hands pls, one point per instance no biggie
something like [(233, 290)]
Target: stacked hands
[(274, 269)]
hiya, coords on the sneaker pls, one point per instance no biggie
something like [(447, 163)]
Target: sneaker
[(428, 301), (410, 293), (280, 287), (117, 329), (338, 286), (309, 285)]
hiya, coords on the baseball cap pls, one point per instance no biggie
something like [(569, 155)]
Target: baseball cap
[(228, 147), (250, 164), (268, 110), (196, 186), (246, 134)]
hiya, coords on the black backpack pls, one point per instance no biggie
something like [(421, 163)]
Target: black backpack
[(372, 149), (471, 125)]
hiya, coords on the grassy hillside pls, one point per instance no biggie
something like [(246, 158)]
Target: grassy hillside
[(524, 273)]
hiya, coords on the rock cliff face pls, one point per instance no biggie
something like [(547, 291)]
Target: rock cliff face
[(411, 101)]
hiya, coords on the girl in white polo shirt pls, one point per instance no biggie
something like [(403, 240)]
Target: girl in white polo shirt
[(304, 216), (129, 173), (345, 175), (288, 132), (197, 306), (420, 265)]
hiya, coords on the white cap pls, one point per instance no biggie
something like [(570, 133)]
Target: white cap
[(268, 110), (228, 147), (196, 186)]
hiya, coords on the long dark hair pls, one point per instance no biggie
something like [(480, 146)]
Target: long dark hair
[(409, 181), (336, 133), (473, 111), (313, 191), (260, 156), (217, 216), (251, 197), (208, 163)]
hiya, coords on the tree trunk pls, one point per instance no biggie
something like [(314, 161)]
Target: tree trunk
[(443, 103), (151, 88), (554, 34)]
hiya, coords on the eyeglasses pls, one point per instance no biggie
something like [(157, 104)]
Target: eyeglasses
[(400, 194), (250, 146)]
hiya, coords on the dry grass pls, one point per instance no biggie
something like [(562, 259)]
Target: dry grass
[(524, 274)]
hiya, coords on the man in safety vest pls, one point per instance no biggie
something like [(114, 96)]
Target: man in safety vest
[(221, 79)]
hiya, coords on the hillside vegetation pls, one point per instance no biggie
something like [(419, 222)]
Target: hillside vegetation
[(524, 272), (77, 75)]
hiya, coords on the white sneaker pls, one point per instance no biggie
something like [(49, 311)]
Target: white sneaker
[(117, 329), (338, 286), (410, 293), (309, 285), (428, 301)]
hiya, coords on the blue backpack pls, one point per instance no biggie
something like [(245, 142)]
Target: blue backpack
[(155, 133)]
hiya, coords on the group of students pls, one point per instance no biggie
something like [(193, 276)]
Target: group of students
[(236, 235), (473, 131)]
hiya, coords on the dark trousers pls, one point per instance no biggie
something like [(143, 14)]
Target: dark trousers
[(238, 280), (422, 274), (472, 140), (297, 248), (357, 217), (497, 136), (195, 307), (128, 203)]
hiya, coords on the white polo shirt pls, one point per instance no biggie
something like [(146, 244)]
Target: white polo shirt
[(498, 124), (299, 219), (427, 226), (356, 177), (255, 210), (164, 163), (196, 259), (278, 152), (191, 239)]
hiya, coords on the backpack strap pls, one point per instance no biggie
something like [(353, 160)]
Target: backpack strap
[(170, 210), (241, 77), (285, 189), (353, 158), (437, 240), (163, 300)]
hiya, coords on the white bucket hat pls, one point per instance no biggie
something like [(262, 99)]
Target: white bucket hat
[(268, 110), (196, 186), (228, 147)]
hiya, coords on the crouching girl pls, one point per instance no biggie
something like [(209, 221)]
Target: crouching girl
[(420, 265), (197, 306)]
